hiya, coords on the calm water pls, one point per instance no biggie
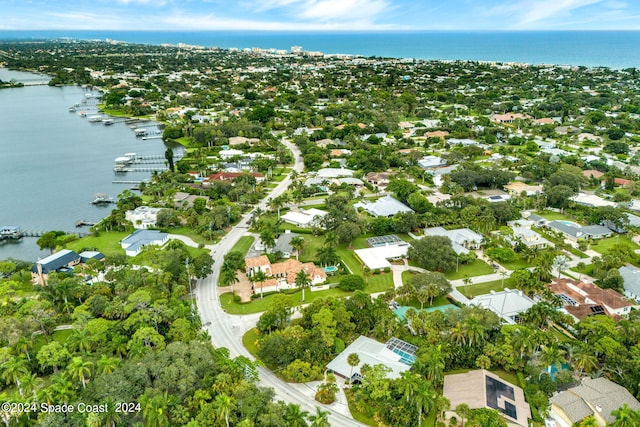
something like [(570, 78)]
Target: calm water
[(615, 49), (53, 162)]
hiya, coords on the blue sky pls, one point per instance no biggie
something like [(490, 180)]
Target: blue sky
[(321, 15)]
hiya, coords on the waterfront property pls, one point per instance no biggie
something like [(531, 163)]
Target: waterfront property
[(10, 232), (483, 389), (594, 397), (396, 355), (143, 217), (61, 262), (134, 242)]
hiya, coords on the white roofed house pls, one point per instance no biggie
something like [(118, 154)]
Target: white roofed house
[(462, 239), (631, 281), (430, 162), (507, 304), (143, 217), (383, 207), (528, 237), (304, 218)]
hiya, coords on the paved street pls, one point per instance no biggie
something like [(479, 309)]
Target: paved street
[(227, 330)]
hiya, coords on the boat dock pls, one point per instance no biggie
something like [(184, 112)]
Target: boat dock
[(10, 232), (84, 222)]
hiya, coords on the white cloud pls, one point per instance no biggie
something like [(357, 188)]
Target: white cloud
[(144, 2), (535, 13), (343, 10)]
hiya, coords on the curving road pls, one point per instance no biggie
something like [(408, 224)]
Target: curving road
[(227, 330)]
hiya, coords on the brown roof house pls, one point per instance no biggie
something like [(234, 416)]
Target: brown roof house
[(483, 389), (283, 273), (583, 299)]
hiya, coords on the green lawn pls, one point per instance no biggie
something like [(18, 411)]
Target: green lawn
[(59, 336), (243, 245), (249, 341), (476, 268), (106, 242), (552, 216), (377, 283), (471, 291), (518, 263), (350, 261), (604, 245), (188, 232)]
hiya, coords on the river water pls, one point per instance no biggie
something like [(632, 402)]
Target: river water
[(53, 162)]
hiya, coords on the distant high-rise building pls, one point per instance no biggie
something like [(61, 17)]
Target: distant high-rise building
[(296, 50)]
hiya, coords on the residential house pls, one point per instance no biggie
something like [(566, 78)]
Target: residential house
[(143, 217), (508, 118), (528, 237), (396, 355), (185, 200), (516, 188), (284, 273), (231, 176), (377, 257), (583, 299), (631, 279), (59, 262), (507, 304), (462, 239), (483, 389), (431, 162), (567, 130), (283, 244), (383, 207), (304, 218), (591, 200), (592, 173), (134, 242), (545, 121), (330, 173), (379, 179), (575, 232), (227, 154), (594, 397)]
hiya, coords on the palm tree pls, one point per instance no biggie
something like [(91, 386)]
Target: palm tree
[(320, 418), (295, 417), (353, 360), (268, 239), (552, 356), (62, 388), (24, 345), (408, 384), (107, 365), (14, 369), (302, 281), (463, 411), (625, 417), (79, 369), (297, 243), (424, 399), (260, 277), (473, 330), (224, 405), (583, 359), (31, 384), (80, 339), (154, 410)]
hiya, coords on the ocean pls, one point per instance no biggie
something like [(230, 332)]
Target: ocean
[(613, 49)]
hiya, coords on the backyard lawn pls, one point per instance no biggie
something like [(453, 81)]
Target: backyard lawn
[(553, 216), (604, 245), (106, 242), (471, 291)]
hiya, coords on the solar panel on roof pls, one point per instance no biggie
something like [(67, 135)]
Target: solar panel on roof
[(597, 309)]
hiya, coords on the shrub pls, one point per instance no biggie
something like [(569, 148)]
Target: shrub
[(301, 372), (351, 282), (387, 269), (327, 393), (376, 271)]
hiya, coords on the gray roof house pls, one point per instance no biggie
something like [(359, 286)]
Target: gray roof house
[(596, 397), (385, 207), (283, 243), (56, 262), (631, 279), (63, 260), (575, 231), (134, 242)]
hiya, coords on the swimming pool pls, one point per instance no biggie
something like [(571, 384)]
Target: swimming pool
[(330, 269)]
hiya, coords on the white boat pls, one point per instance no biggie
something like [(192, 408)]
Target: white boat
[(95, 119), (107, 122)]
